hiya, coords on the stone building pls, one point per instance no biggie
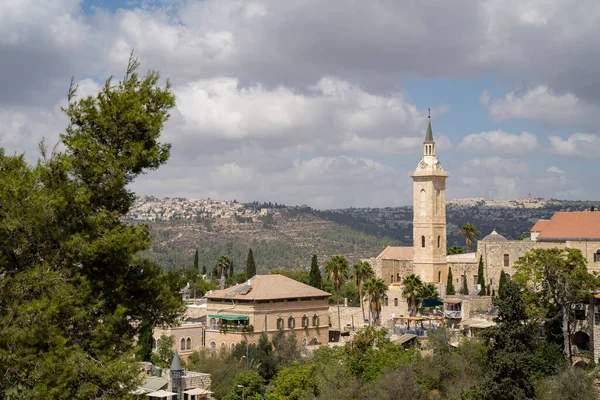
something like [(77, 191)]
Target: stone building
[(266, 303)]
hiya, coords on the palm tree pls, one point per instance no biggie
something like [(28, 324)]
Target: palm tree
[(375, 289), (411, 290), (362, 273), (337, 268), (223, 264), (469, 232), (428, 291)]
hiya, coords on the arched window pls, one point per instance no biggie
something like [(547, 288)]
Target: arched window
[(188, 344), (153, 344), (395, 302), (305, 321), (232, 346), (223, 346), (439, 276), (291, 322), (439, 241), (213, 346), (182, 347), (385, 301), (280, 323), (422, 241), (423, 203), (304, 342), (315, 320), (597, 256)]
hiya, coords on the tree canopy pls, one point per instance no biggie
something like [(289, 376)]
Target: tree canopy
[(72, 282)]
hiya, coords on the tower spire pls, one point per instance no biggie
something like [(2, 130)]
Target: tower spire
[(429, 144)]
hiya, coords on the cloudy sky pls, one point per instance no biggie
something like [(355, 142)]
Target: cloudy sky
[(325, 102)]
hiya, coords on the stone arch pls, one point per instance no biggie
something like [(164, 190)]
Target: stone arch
[(223, 346), (188, 344), (315, 320), (212, 345), (304, 321), (182, 346), (291, 322), (304, 342), (581, 340)]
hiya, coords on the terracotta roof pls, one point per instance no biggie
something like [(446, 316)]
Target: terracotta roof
[(267, 287), (540, 225), (452, 301), (572, 225), (397, 253)]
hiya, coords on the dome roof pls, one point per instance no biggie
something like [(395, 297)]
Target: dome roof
[(494, 237)]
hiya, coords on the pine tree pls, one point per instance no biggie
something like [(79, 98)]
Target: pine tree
[(250, 265), (501, 284), (314, 276), (465, 287), (481, 278), (449, 285), (196, 265)]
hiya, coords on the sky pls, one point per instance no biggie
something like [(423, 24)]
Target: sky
[(325, 103)]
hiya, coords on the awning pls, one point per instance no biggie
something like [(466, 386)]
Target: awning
[(196, 391), (161, 394), (404, 338), (453, 301), (431, 302), (230, 317)]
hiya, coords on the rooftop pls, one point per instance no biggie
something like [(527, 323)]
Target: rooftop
[(572, 225), (494, 237), (540, 225), (397, 253), (268, 287)]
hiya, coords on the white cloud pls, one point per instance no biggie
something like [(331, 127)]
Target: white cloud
[(498, 142), (541, 105), (555, 170), (583, 145)]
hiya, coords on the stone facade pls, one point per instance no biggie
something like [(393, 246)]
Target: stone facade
[(187, 337)]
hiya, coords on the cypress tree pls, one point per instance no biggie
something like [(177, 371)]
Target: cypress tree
[(449, 286), (314, 277), (196, 260), (231, 269), (250, 265), (480, 278), (501, 284), (465, 288)]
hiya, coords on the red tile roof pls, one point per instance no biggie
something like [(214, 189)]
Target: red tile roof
[(572, 225), (267, 287), (540, 225), (397, 253)]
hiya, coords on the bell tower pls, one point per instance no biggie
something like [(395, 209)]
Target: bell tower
[(429, 214)]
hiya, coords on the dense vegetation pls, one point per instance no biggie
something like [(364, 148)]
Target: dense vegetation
[(72, 282)]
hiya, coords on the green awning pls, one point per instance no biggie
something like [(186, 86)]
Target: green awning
[(230, 317)]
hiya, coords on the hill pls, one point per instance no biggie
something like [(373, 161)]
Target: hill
[(286, 237)]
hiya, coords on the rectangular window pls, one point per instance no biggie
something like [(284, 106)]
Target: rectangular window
[(580, 314), (474, 279), (506, 260), (597, 318), (392, 279)]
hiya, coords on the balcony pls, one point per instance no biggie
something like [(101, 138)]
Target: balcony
[(226, 328), (453, 314)]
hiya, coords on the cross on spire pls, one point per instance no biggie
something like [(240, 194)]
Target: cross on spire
[(429, 113)]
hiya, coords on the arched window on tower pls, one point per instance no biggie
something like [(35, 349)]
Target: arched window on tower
[(422, 241), (439, 241), (423, 203), (439, 276)]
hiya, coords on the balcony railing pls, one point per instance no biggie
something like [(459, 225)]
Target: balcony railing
[(231, 328), (453, 314)]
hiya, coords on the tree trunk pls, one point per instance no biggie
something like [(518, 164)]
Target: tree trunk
[(362, 304), (566, 335), (339, 317), (222, 281)]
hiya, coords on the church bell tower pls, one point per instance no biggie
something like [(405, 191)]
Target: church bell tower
[(429, 214)]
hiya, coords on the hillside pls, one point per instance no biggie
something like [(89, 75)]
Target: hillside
[(286, 237)]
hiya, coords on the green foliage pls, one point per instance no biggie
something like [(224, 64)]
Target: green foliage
[(375, 289), (246, 385), (196, 265), (293, 383), (71, 281), (502, 284), (295, 274), (145, 339), (449, 284), (337, 269), (250, 265), (164, 351), (223, 265), (455, 250), (464, 289), (314, 276), (558, 278), (481, 278), (411, 289), (512, 345), (524, 236), (469, 232), (363, 272), (571, 383)]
